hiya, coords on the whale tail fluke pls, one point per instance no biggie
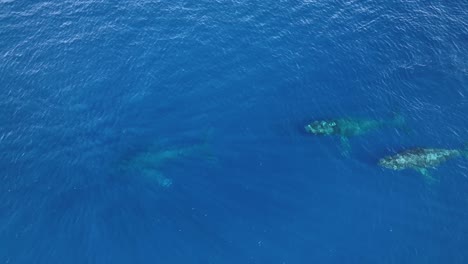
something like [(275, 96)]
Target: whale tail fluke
[(464, 150), (398, 120)]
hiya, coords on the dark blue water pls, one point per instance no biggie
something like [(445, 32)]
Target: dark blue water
[(86, 86)]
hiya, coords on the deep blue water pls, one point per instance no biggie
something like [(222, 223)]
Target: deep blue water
[(87, 85)]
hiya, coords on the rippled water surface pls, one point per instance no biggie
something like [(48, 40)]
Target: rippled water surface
[(172, 131)]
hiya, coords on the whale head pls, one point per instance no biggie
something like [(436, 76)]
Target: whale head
[(321, 127), (392, 162)]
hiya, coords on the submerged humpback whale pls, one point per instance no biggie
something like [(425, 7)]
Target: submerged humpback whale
[(349, 127), (421, 159), (151, 162)]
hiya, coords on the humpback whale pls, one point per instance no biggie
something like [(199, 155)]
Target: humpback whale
[(349, 127), (420, 159), (150, 163)]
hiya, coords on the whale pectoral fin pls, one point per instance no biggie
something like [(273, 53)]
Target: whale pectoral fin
[(346, 146), (428, 177), (164, 182), (157, 177)]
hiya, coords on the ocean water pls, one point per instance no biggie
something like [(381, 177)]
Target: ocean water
[(214, 95)]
